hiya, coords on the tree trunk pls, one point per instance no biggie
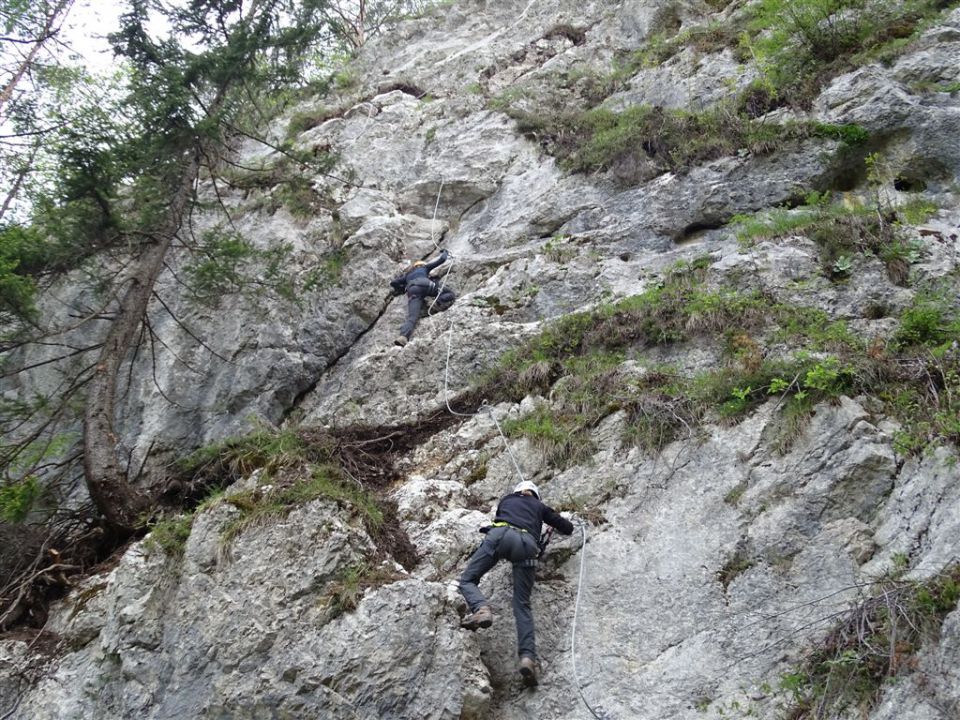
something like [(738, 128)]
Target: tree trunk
[(119, 502), (18, 182), (122, 505), (45, 34)]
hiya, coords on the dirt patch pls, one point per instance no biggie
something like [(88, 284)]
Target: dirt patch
[(40, 643), (370, 455)]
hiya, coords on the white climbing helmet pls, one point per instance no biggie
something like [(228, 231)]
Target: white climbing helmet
[(527, 485)]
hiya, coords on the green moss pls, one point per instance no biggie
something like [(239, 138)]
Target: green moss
[(560, 437), (734, 496), (478, 472), (738, 564), (578, 361), (299, 197), (344, 593), (844, 230), (225, 462), (303, 121), (170, 534), (327, 273)]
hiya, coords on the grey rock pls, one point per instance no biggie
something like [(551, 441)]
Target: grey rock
[(719, 562)]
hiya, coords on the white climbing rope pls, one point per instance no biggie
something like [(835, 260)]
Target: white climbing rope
[(436, 244), (489, 410), (446, 371), (576, 613), (483, 407), (433, 222)]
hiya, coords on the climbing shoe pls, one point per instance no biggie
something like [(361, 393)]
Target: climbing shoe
[(528, 671), (401, 341), (482, 618)]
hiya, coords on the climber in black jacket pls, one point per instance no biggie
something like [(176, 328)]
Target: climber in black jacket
[(416, 283), (513, 536)]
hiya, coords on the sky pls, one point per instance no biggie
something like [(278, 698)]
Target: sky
[(86, 28)]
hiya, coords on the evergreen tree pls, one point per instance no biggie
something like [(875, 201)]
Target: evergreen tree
[(183, 102), (126, 179)]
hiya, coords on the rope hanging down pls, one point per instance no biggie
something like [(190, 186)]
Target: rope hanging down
[(446, 371), (489, 410), (573, 627)]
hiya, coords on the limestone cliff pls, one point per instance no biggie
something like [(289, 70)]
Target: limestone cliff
[(714, 563)]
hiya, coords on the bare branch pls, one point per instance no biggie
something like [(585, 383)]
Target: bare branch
[(190, 332), (153, 367), (51, 360)]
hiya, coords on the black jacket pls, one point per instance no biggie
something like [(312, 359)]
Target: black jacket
[(527, 512), (400, 282)]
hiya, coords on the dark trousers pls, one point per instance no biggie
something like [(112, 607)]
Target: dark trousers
[(415, 297), (520, 548)]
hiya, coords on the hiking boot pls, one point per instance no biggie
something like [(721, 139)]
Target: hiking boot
[(481, 618), (528, 671), (401, 340)]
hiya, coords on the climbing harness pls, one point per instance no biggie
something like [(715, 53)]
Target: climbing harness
[(501, 523)]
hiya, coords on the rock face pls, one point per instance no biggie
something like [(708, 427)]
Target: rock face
[(710, 569)]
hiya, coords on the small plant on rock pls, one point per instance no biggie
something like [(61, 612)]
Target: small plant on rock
[(873, 643), (345, 592)]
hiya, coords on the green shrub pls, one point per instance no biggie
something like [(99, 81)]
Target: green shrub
[(17, 499), (23, 255), (828, 377), (931, 321), (801, 44), (646, 137), (915, 212), (872, 643), (169, 535), (271, 502), (17, 291)]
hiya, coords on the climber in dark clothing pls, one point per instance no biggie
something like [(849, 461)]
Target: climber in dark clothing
[(513, 536), (416, 283)]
